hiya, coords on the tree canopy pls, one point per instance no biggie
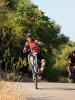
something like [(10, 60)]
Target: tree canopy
[(17, 18)]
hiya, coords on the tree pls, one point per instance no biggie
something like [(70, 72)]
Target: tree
[(17, 18)]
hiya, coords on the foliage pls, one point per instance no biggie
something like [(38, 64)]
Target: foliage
[(17, 17)]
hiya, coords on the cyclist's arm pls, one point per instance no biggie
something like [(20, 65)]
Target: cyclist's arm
[(39, 43), (26, 47)]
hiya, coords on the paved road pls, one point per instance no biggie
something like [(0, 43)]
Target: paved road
[(46, 91)]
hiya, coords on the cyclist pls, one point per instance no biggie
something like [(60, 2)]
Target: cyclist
[(34, 45), (71, 63)]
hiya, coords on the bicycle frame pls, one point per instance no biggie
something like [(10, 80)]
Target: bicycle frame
[(33, 64)]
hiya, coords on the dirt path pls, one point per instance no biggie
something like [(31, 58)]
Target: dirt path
[(46, 91)]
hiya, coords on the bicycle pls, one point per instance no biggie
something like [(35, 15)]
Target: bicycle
[(33, 64)]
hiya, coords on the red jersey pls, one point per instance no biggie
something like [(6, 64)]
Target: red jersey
[(33, 45)]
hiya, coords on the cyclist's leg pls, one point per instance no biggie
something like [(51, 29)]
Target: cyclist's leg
[(30, 59), (42, 61)]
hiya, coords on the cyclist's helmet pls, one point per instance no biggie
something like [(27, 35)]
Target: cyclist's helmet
[(28, 35)]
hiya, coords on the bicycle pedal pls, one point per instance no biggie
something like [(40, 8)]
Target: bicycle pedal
[(39, 77)]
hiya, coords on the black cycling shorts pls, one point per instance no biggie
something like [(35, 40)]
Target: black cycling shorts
[(39, 56)]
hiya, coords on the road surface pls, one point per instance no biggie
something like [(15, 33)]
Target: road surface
[(46, 91)]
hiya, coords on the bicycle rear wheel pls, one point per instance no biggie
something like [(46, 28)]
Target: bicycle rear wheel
[(36, 82)]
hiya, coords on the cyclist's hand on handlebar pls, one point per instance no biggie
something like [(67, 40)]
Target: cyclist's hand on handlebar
[(41, 43), (24, 50)]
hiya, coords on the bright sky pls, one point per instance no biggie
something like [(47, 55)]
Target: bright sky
[(62, 11)]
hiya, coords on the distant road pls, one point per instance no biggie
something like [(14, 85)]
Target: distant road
[(46, 91)]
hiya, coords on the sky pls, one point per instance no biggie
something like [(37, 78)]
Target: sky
[(62, 11)]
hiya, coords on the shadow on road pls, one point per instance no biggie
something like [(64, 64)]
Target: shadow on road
[(57, 89)]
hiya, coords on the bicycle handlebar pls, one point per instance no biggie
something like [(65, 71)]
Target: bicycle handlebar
[(28, 50)]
